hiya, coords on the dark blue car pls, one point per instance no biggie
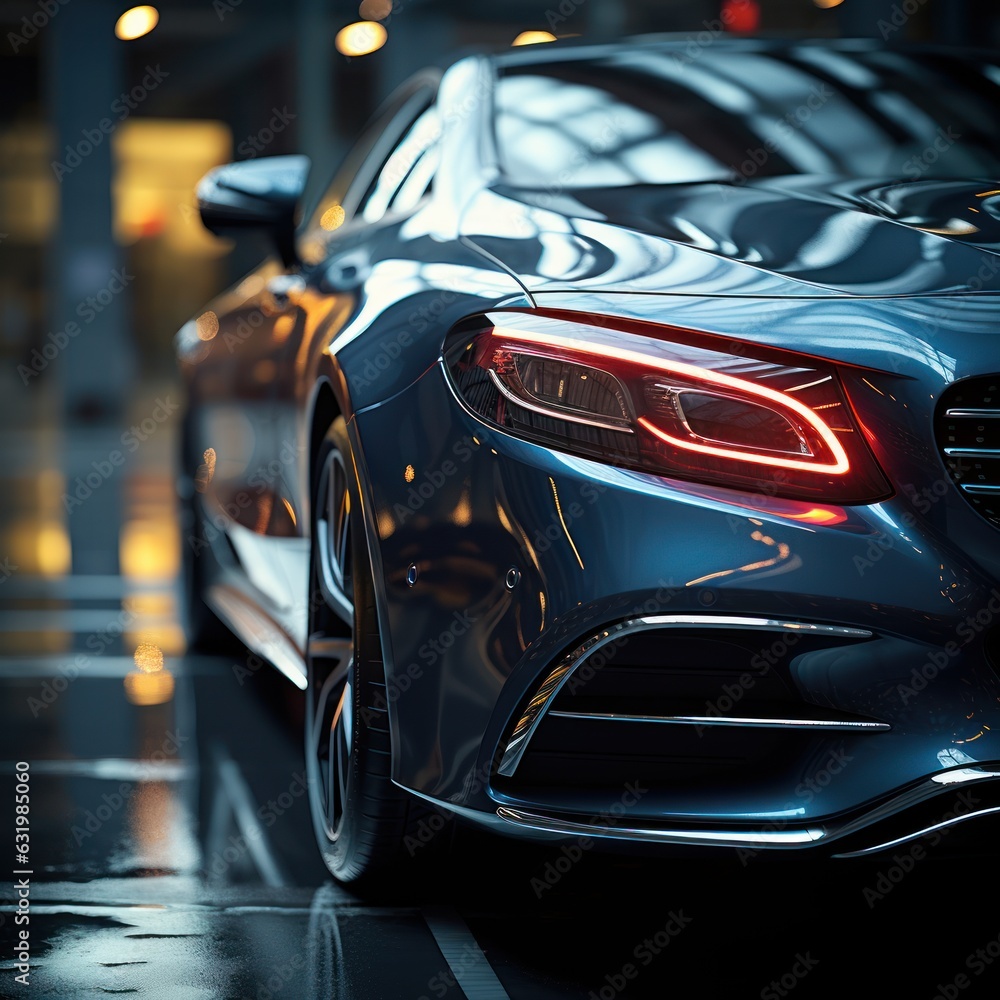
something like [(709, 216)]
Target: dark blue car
[(612, 449)]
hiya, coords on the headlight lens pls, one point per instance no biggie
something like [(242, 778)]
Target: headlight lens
[(671, 404)]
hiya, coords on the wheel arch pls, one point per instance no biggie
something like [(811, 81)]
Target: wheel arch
[(328, 400)]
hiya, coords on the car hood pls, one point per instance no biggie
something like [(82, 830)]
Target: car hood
[(782, 236)]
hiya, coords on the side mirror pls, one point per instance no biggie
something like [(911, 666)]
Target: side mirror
[(255, 194)]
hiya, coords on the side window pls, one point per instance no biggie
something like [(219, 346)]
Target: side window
[(407, 173), (388, 169)]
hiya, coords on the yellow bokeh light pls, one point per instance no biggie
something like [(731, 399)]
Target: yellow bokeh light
[(827, 4), (149, 550), (207, 325), (386, 525), (203, 477), (462, 515), (360, 38), (148, 657), (409, 474), (53, 550), (533, 38), (333, 218), (375, 10), (149, 689), (136, 22)]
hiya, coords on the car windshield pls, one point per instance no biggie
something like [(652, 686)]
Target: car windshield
[(684, 114)]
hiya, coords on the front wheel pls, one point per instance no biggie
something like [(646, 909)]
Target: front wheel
[(365, 825)]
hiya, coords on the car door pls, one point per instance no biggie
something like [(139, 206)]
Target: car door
[(260, 418)]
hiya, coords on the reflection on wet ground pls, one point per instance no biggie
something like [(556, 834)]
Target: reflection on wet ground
[(171, 850)]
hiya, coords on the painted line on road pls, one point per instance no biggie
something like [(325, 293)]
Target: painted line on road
[(79, 620), (85, 586), (109, 769), (466, 960), (102, 665), (244, 810)]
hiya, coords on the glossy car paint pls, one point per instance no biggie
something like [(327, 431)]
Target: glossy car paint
[(495, 555)]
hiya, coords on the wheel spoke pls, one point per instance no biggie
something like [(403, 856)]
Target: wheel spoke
[(332, 688), (333, 531), (343, 759), (328, 647), (333, 782)]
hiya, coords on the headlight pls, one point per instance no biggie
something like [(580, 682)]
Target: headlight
[(670, 404)]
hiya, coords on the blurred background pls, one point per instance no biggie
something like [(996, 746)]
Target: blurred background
[(109, 117)]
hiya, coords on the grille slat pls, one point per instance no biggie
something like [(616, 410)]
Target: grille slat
[(968, 435)]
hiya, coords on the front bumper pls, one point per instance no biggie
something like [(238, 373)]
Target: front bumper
[(521, 554)]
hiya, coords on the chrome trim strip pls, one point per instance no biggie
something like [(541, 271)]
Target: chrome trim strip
[(726, 720), (539, 704), (980, 414), (264, 637), (332, 589), (718, 838), (864, 851), (976, 488), (972, 452), (962, 774), (555, 414)]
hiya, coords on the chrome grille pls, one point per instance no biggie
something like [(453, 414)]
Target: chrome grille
[(968, 434)]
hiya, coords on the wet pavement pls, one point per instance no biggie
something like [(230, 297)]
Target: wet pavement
[(169, 852)]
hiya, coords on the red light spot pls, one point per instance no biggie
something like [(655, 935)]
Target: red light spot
[(152, 225), (742, 17), (820, 515)]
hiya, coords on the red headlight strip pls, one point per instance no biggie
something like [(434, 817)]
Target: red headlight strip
[(839, 466)]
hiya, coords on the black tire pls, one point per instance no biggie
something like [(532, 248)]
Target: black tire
[(368, 830)]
